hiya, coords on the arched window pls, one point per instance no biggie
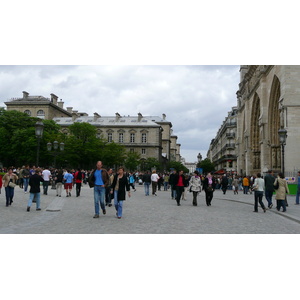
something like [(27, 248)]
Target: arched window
[(41, 113), (28, 112)]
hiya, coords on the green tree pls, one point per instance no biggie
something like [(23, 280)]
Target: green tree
[(206, 165), (114, 154), (132, 161), (150, 163), (177, 166)]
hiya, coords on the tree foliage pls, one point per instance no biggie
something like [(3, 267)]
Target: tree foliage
[(177, 166), (132, 161), (206, 165)]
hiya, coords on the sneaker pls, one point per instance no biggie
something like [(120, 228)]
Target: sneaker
[(104, 211), (96, 216), (119, 217), (28, 208), (109, 205), (271, 206), (38, 209), (69, 194)]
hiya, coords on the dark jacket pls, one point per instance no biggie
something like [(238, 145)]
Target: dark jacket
[(35, 182), (269, 182), (206, 185), (105, 178), (146, 178), (176, 179), (123, 187)]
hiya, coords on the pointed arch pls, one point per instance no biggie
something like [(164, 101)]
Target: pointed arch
[(274, 124)]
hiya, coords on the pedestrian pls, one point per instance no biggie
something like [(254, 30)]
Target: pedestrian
[(99, 180), (246, 184), (166, 182), (224, 183), (78, 181), (269, 187), (258, 188), (154, 180), (147, 181), (282, 189), (26, 174), (298, 190), (68, 180), (59, 182), (119, 187), (172, 185), (195, 186), (179, 181), (235, 185), (132, 181), (209, 185), (46, 176), (0, 183), (35, 192), (9, 183), (108, 195), (186, 186), (21, 182)]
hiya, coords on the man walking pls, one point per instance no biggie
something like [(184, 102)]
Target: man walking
[(35, 182), (269, 187), (147, 181), (46, 176), (298, 190), (99, 179)]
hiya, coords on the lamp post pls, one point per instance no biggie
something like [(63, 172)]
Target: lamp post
[(39, 130), (55, 148), (282, 132)]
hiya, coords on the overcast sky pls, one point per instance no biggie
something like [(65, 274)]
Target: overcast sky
[(196, 99)]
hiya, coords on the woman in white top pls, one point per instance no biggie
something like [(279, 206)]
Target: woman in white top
[(195, 186), (258, 187)]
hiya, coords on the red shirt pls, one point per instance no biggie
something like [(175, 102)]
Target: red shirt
[(180, 181)]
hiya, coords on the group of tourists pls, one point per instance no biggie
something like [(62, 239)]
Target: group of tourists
[(110, 186)]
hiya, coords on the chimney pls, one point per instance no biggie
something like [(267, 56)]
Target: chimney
[(96, 116), (69, 109), (54, 99), (164, 117), (140, 116), (25, 95), (74, 116), (118, 116), (60, 104)]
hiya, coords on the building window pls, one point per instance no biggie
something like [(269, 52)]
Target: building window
[(28, 112), (132, 137), (121, 138), (40, 113), (109, 137), (143, 151), (144, 138)]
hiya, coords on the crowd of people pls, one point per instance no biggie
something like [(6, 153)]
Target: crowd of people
[(109, 185)]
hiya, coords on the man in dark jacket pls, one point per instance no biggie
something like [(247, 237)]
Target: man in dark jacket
[(224, 183), (35, 192), (179, 183), (269, 187), (147, 181)]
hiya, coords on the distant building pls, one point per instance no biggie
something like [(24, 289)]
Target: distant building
[(222, 149)]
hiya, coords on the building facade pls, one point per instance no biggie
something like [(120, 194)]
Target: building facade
[(268, 100), (222, 149), (149, 136)]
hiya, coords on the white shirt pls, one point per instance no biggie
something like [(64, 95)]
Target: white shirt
[(46, 175), (154, 177)]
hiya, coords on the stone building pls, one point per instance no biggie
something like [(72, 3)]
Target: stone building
[(150, 136), (39, 106), (222, 149), (268, 100)]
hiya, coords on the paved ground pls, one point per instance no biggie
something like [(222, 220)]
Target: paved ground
[(231, 214)]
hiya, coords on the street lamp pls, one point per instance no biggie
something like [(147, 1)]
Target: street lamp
[(55, 148), (39, 130), (282, 132)]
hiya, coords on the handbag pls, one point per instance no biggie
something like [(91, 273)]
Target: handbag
[(276, 186), (11, 184)]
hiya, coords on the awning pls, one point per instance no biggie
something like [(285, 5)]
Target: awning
[(221, 171)]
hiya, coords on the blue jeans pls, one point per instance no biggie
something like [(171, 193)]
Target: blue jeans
[(268, 195), (298, 195), (25, 184), (37, 197), (45, 187), (99, 196), (146, 185), (9, 193), (166, 186), (118, 204)]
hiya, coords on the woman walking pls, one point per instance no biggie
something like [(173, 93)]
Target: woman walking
[(119, 187), (195, 186), (59, 182), (9, 181), (258, 187), (209, 185), (282, 189)]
